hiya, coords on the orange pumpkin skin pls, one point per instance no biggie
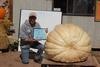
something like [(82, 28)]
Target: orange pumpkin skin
[(2, 13)]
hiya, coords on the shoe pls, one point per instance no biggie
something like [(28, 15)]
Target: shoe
[(38, 59), (25, 62)]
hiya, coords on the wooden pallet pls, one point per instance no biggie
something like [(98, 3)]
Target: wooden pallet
[(90, 62)]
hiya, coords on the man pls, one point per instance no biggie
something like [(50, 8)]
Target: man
[(27, 40)]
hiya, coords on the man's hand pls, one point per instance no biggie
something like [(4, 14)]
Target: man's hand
[(46, 30), (30, 41)]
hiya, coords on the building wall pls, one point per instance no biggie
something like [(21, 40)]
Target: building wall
[(87, 23), (28, 4)]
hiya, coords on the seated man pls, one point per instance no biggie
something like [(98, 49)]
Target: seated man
[(27, 40)]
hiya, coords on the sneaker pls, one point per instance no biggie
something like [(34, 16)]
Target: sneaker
[(38, 59), (25, 62)]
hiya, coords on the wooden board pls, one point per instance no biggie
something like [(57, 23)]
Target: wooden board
[(89, 62)]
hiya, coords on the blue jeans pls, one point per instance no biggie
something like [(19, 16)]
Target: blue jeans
[(25, 51)]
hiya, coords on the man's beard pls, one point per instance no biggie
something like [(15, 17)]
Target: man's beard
[(33, 25)]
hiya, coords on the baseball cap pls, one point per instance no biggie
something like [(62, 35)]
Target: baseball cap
[(32, 14)]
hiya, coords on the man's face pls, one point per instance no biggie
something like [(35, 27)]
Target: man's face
[(32, 21)]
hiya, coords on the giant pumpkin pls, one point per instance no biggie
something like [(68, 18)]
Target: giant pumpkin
[(67, 43)]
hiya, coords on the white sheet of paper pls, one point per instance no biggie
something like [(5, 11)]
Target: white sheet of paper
[(39, 34)]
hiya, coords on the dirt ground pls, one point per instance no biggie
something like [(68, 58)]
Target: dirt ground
[(12, 59)]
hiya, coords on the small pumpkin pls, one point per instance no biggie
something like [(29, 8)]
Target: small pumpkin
[(67, 43), (2, 13)]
